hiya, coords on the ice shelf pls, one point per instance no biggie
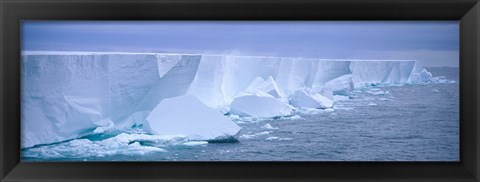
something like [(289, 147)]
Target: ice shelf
[(67, 95)]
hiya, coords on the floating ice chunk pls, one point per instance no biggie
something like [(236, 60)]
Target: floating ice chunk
[(372, 104), (310, 100), (421, 77), (340, 98), (327, 92), (385, 99), (441, 79), (296, 117), (291, 117), (269, 127), (186, 115), (271, 138), (99, 130), (249, 119), (329, 109), (278, 138), (260, 106), (250, 136), (341, 85), (263, 133), (246, 136), (378, 92), (195, 143), (104, 125)]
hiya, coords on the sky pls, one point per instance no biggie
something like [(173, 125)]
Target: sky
[(435, 42)]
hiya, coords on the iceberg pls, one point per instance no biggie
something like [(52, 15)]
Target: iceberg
[(421, 77), (260, 106), (302, 99), (187, 116), (341, 85), (67, 95)]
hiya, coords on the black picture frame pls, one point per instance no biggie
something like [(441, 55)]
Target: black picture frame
[(12, 12)]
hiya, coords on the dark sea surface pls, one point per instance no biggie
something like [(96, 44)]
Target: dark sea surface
[(382, 123)]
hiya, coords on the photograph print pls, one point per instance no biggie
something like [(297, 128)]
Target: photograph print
[(239, 91)]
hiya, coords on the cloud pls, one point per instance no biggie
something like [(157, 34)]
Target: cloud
[(434, 41), (432, 58)]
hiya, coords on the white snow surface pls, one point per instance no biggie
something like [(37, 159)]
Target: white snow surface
[(66, 95), (188, 116)]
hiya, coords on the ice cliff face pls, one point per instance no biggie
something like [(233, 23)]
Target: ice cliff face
[(66, 95)]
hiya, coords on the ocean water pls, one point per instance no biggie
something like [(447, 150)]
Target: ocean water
[(379, 123)]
